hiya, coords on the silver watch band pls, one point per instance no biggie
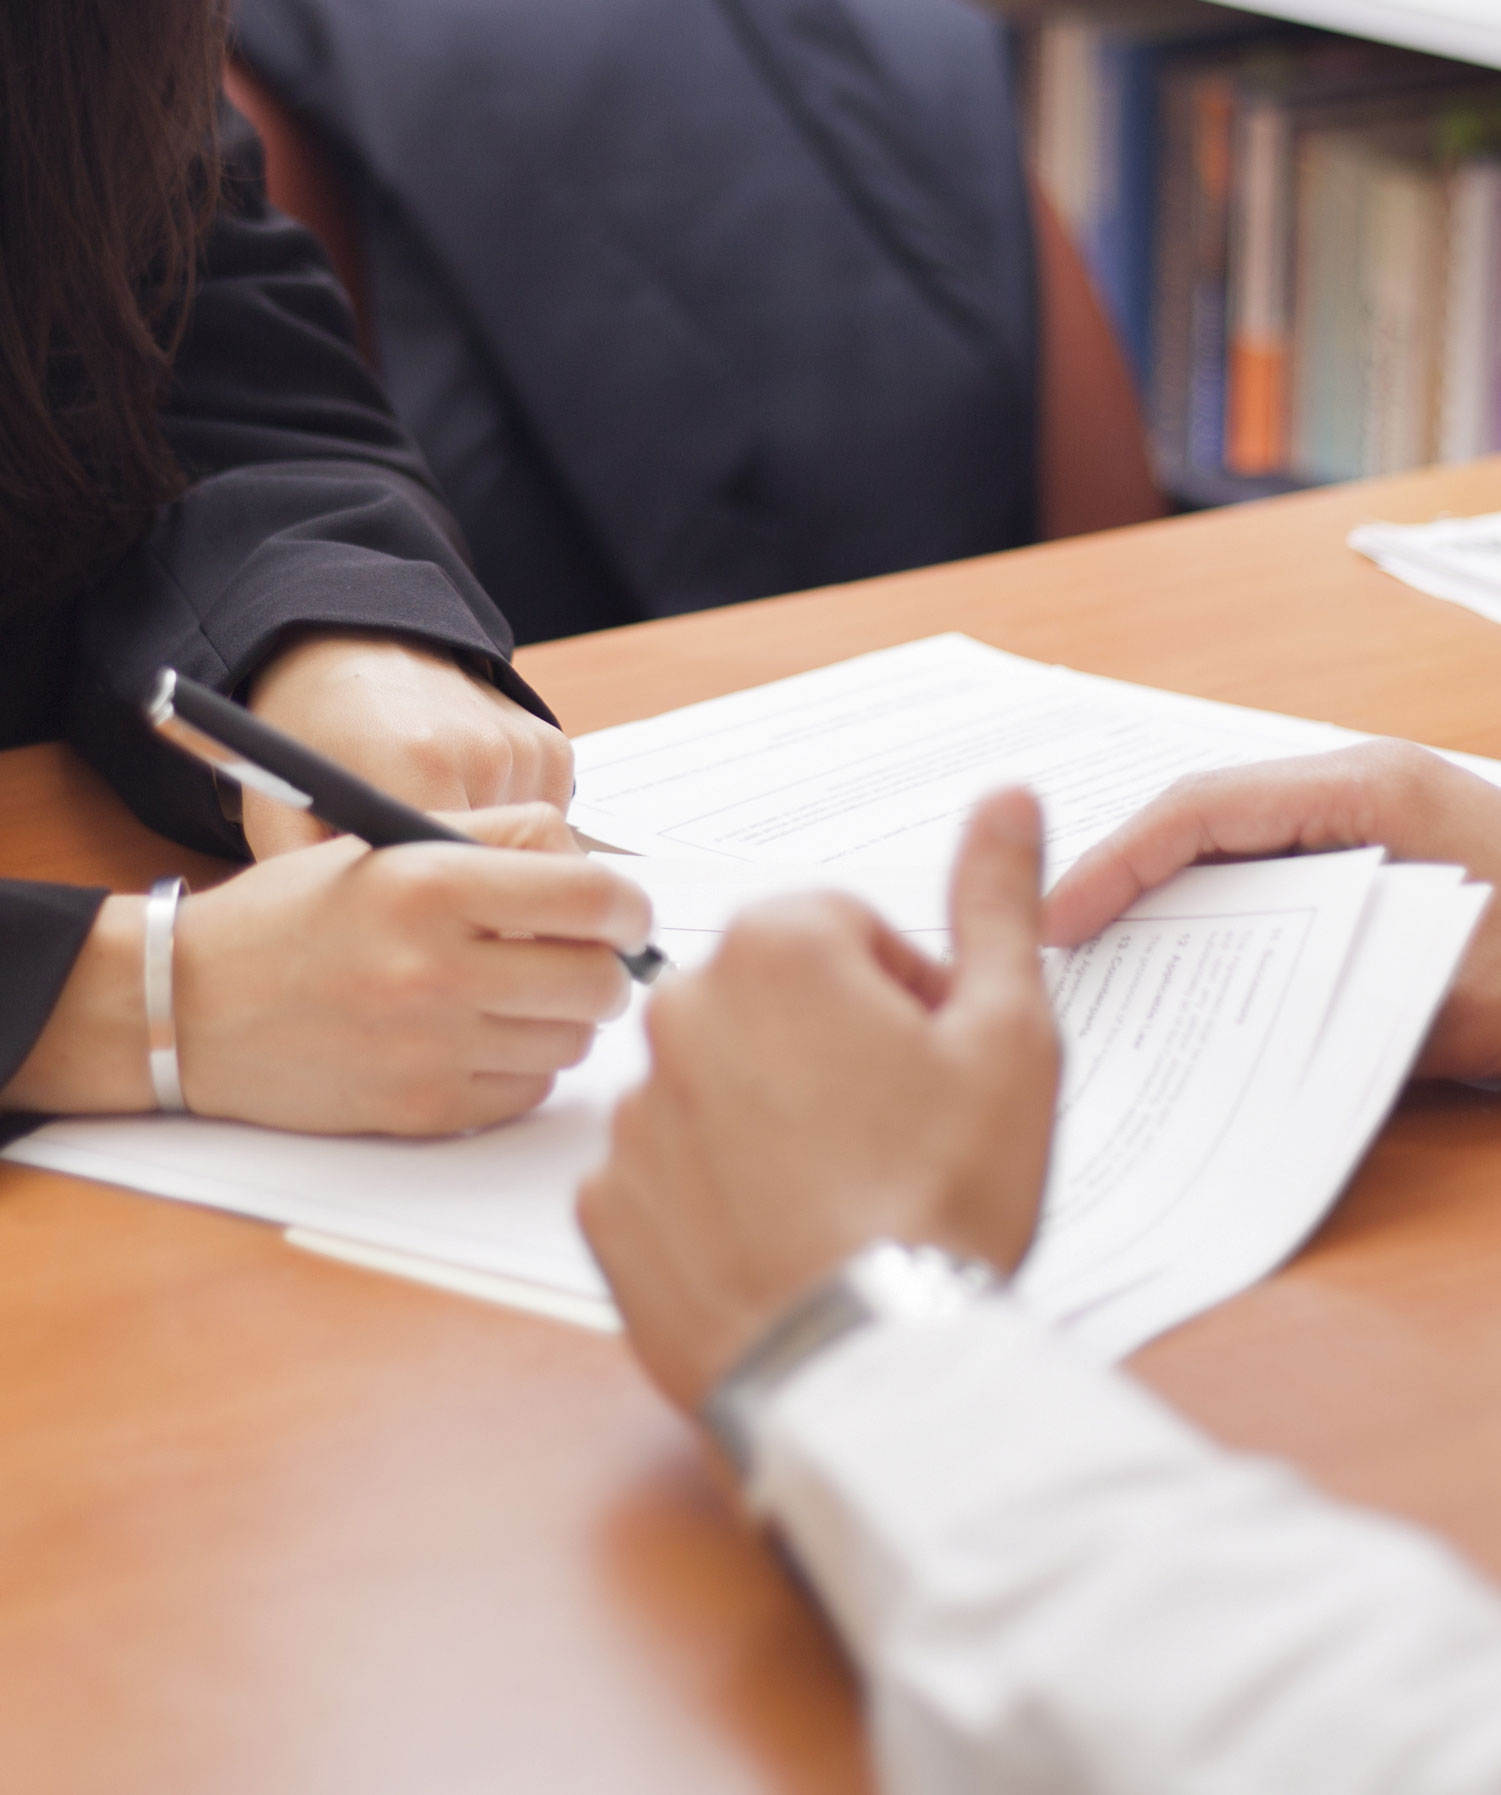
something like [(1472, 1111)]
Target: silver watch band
[(161, 1018), (882, 1282)]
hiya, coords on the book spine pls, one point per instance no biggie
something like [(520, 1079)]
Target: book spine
[(1124, 227), (1470, 324), (1328, 351), (1260, 305), (1172, 332), (1493, 440), (1402, 248), (1067, 153), (1214, 109)]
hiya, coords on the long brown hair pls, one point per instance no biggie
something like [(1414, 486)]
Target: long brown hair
[(108, 176)]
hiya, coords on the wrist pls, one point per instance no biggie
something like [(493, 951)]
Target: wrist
[(885, 1281), (92, 1055), (340, 654)]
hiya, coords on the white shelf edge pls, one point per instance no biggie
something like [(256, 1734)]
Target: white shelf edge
[(1460, 32)]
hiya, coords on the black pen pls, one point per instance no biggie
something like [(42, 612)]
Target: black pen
[(262, 759)]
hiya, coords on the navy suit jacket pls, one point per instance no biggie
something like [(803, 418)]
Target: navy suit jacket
[(688, 301)]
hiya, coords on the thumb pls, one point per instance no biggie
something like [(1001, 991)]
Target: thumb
[(994, 903)]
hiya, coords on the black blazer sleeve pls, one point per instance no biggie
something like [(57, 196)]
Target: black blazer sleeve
[(42, 930), (309, 507)]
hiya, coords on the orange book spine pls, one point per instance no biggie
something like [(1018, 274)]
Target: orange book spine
[(1257, 430)]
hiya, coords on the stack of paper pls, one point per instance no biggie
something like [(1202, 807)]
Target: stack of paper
[(880, 759), (1457, 558), (1230, 1047)]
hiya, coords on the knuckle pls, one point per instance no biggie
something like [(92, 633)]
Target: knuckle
[(1022, 1030), (788, 931), (1374, 782), (1400, 769), (543, 828), (412, 881), (1191, 791), (432, 754), (596, 897), (409, 978), (556, 751)]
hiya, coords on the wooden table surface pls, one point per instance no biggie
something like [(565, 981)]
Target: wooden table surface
[(270, 1524)]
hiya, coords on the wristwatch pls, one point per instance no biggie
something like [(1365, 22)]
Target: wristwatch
[(885, 1281)]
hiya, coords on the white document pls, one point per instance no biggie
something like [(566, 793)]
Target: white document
[(499, 1202), (1457, 558), (881, 758), (1227, 1058), (1261, 1129), (1228, 1231)]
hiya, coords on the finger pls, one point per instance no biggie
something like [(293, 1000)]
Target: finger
[(541, 766), (905, 963), (502, 1096), (531, 827), (508, 892), (546, 981), (540, 762), (511, 1045), (272, 828), (487, 1099), (1320, 801), (994, 902), (815, 937)]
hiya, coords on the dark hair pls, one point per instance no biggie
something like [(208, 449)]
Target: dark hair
[(108, 178)]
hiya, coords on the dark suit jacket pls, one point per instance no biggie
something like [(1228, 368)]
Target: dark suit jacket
[(310, 506), (688, 301)]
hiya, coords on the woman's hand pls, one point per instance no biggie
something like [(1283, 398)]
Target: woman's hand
[(419, 990), (409, 720), (1388, 794), (819, 1085)]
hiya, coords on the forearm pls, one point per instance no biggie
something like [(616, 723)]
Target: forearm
[(90, 1054), (309, 509), (1053, 1584)]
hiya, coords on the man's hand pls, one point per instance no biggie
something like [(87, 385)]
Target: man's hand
[(820, 1085), (1390, 794), (409, 720)]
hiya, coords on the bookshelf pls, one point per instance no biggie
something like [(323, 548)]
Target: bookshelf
[(1292, 210)]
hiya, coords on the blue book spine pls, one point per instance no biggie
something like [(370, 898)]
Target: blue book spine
[(1121, 250)]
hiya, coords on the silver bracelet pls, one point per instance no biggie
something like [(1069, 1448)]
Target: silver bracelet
[(161, 1021)]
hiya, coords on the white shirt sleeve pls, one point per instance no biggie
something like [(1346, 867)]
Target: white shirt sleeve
[(1052, 1583)]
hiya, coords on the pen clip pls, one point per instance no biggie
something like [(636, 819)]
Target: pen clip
[(166, 722)]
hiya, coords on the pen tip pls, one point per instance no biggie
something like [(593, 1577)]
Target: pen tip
[(647, 966)]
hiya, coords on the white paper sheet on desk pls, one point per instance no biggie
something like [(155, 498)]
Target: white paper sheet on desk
[(1244, 1223), (1234, 1093), (882, 757), (498, 1202), (1457, 558)]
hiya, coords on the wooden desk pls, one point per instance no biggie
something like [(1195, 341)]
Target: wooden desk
[(267, 1524)]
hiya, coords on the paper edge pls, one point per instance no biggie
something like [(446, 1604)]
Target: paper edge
[(595, 1314)]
